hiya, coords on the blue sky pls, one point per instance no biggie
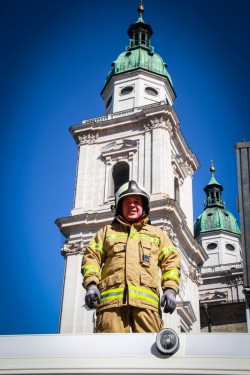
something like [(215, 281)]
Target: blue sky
[(56, 55)]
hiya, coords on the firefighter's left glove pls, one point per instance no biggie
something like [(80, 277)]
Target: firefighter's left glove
[(92, 297), (168, 301)]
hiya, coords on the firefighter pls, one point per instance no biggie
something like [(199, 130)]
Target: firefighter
[(121, 264)]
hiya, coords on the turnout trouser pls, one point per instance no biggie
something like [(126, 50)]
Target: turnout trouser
[(128, 319)]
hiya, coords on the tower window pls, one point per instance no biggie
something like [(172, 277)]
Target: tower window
[(176, 190), (143, 38), (120, 175), (230, 247), (151, 91), (127, 90), (136, 39), (109, 102), (211, 246)]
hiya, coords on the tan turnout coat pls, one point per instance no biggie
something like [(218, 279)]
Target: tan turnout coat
[(124, 262)]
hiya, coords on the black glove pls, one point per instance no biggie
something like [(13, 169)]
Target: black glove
[(168, 301), (92, 297)]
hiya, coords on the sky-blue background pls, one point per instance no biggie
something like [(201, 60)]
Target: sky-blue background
[(55, 56)]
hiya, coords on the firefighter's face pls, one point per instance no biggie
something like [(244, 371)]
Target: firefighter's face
[(132, 207)]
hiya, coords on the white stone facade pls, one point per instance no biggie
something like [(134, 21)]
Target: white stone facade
[(149, 141), (222, 272), (136, 89), (222, 248)]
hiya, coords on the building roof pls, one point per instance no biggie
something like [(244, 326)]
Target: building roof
[(139, 54), (215, 216)]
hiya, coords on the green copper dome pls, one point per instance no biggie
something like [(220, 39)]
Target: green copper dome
[(139, 59), (215, 216), (139, 54)]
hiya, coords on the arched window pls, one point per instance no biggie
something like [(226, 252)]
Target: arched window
[(120, 175), (176, 190), (143, 39)]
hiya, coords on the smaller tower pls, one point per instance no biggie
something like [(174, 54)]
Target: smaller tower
[(221, 296), (217, 229)]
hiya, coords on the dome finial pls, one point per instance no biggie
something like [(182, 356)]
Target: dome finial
[(141, 8), (212, 168)]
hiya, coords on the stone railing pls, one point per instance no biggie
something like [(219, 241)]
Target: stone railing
[(222, 268), (128, 112)]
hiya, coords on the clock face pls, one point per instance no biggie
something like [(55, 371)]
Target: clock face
[(126, 90), (151, 91)]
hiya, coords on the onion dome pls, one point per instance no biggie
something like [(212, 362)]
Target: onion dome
[(215, 216), (139, 53)]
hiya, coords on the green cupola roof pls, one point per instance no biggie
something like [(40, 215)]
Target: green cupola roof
[(215, 216), (139, 53)]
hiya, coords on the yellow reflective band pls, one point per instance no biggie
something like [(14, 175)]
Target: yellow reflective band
[(138, 236), (89, 269), (116, 236), (143, 294), (167, 250), (112, 294), (95, 246), (173, 274)]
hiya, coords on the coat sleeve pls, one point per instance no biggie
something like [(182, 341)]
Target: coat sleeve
[(169, 263), (93, 258)]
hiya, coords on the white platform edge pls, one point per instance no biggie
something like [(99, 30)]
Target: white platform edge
[(208, 353)]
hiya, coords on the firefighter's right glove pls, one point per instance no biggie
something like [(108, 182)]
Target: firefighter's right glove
[(168, 301), (92, 297)]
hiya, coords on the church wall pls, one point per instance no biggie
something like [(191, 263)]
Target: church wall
[(224, 318), (150, 164), (138, 96), (187, 204), (157, 165), (80, 176), (220, 254), (191, 294), (75, 317), (146, 171), (71, 302)]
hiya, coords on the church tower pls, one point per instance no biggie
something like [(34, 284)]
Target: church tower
[(139, 138), (217, 229), (221, 292)]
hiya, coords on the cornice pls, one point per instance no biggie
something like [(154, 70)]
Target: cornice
[(91, 129), (77, 222), (168, 215), (146, 119), (165, 213)]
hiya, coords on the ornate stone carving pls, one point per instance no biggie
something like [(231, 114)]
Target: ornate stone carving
[(171, 233), (169, 126), (183, 282), (158, 122), (183, 224), (177, 173), (73, 248), (188, 168), (88, 138), (123, 149), (194, 275)]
